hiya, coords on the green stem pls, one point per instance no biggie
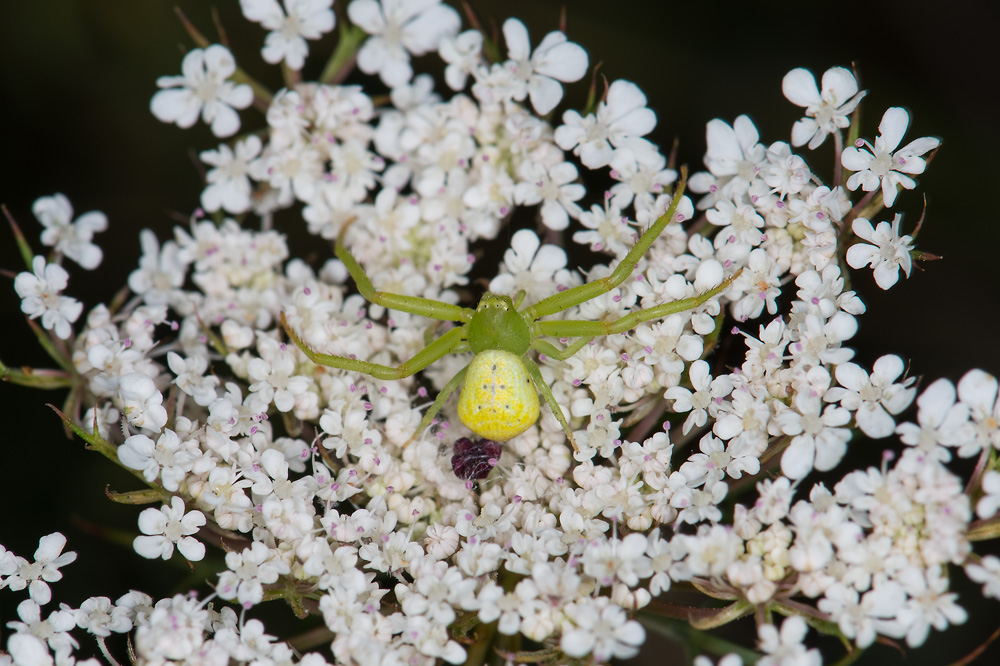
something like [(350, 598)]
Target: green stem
[(342, 60), (97, 443), (49, 345), (22, 243), (40, 379)]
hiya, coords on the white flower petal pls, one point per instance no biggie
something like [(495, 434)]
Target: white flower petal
[(893, 127), (799, 86)]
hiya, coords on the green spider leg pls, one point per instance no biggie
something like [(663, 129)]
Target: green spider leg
[(550, 400), (453, 341), (437, 349), (590, 329), (417, 305), (550, 350), (439, 401), (591, 290)]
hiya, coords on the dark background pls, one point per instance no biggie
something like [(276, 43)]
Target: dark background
[(75, 82)]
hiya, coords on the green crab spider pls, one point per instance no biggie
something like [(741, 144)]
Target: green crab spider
[(500, 386)]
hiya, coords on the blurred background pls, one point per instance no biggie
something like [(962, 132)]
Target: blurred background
[(76, 77)]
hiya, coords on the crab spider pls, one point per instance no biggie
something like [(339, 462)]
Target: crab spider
[(500, 387)]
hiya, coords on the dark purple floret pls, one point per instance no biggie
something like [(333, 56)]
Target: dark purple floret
[(474, 460)]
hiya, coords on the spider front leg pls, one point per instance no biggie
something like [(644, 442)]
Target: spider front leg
[(591, 290), (417, 305), (423, 358), (590, 329)]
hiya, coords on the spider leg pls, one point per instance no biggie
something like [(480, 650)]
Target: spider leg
[(432, 352), (442, 398), (550, 399), (585, 292), (590, 329), (550, 350), (417, 305)]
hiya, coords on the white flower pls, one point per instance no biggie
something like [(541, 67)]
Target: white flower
[(34, 632), (68, 236), (142, 404), (827, 111), (978, 390), (191, 377), (880, 165), (45, 569), (942, 422), (731, 659), (622, 115), (28, 649), (607, 229), (873, 399), (786, 173), (274, 379), (98, 616), (40, 297), (554, 187), (860, 619), (169, 526), (175, 631), (701, 402), (305, 19), (228, 184), (986, 572), (169, 458), (399, 28), (161, 272), (531, 266), (463, 53), (886, 251), (734, 154), (785, 648), (818, 439), (598, 627), (248, 571), (929, 604), (538, 74), (203, 90)]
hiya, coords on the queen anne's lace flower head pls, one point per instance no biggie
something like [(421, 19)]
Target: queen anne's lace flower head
[(314, 478)]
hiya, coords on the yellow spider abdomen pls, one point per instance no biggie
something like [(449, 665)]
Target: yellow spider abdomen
[(498, 400)]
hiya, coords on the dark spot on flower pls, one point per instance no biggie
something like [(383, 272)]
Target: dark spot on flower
[(473, 460)]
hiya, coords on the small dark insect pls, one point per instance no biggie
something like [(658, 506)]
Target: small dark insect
[(473, 460)]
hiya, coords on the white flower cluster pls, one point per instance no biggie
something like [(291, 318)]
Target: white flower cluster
[(238, 429), (180, 629)]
